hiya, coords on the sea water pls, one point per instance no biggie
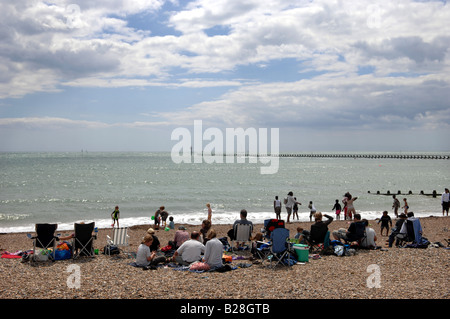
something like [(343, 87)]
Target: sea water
[(65, 188)]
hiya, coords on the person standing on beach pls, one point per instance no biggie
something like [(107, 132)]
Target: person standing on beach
[(209, 212), (164, 216), (445, 201), (385, 220), (295, 209), (405, 206), (312, 210), (395, 206), (350, 208), (344, 201), (157, 217), (277, 207), (115, 216), (338, 208), (289, 203)]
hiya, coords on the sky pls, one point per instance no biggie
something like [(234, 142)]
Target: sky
[(116, 75)]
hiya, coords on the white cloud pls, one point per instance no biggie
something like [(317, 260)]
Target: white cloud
[(370, 64)]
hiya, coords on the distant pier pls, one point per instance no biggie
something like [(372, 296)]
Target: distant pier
[(337, 155), (396, 156)]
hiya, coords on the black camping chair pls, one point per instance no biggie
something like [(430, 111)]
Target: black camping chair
[(45, 239), (83, 240)]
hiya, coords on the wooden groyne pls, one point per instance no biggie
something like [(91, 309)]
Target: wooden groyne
[(388, 193)]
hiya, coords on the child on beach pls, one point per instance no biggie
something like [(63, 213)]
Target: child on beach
[(171, 223), (115, 216), (385, 220), (405, 206), (277, 207), (209, 212), (338, 208), (302, 235), (295, 209)]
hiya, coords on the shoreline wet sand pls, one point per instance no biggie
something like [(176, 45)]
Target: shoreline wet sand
[(403, 273)]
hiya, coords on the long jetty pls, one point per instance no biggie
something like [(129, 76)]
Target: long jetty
[(396, 156), (345, 155)]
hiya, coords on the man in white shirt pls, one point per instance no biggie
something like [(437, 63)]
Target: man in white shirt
[(190, 251), (445, 200)]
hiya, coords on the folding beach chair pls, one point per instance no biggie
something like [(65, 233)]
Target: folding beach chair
[(119, 239), (44, 240), (319, 244), (280, 248), (83, 240), (413, 235), (242, 234)]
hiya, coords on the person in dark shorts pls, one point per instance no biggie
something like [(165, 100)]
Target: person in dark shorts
[(385, 220)]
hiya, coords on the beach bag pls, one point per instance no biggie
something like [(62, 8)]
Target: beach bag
[(63, 251), (285, 201), (339, 250)]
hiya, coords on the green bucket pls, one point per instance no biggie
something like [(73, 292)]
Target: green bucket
[(302, 252)]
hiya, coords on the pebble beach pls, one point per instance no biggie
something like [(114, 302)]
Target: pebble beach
[(403, 273)]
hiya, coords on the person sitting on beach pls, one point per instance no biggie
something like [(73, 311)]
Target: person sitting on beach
[(190, 251), (171, 223), (206, 225), (257, 241), (144, 257), (181, 235), (355, 231), (396, 230), (156, 244), (243, 220), (369, 241), (320, 228), (385, 220), (302, 235), (213, 250)]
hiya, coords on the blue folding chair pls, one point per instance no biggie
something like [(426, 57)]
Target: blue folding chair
[(280, 248)]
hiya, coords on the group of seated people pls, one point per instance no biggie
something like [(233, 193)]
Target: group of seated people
[(358, 233), (189, 248)]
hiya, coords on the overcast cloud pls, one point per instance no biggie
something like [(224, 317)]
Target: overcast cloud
[(121, 75)]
